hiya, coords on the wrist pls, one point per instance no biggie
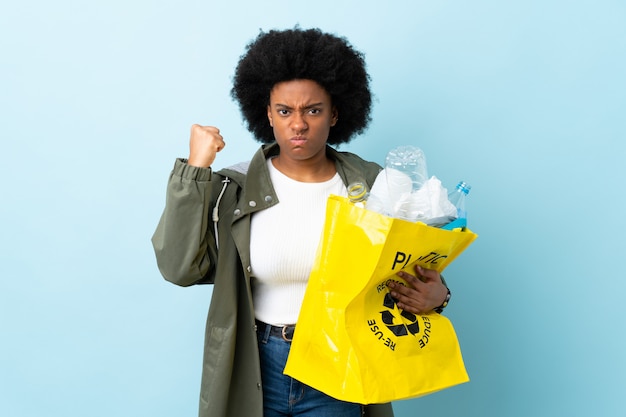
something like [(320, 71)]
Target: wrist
[(198, 162), (445, 302)]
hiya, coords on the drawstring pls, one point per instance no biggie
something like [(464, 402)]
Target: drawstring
[(216, 210)]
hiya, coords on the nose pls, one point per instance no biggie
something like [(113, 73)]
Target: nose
[(298, 123)]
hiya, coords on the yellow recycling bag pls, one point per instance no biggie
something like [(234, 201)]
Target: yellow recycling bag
[(351, 341)]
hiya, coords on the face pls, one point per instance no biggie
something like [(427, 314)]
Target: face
[(301, 115)]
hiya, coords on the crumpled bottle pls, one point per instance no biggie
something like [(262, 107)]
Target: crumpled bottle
[(405, 173)]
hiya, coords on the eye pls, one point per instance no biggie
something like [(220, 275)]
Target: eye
[(315, 111), (283, 112)]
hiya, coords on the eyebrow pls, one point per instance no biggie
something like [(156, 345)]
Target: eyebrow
[(320, 104)]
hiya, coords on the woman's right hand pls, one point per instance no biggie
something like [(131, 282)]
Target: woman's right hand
[(204, 143)]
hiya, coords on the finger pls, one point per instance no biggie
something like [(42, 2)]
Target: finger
[(219, 141), (409, 302), (212, 129), (208, 135), (411, 280), (199, 132), (406, 297)]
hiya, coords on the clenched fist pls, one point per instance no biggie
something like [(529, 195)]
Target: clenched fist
[(204, 143)]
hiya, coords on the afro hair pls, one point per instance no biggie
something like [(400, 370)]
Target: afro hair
[(292, 54)]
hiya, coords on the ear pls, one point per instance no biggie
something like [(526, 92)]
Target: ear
[(269, 115), (335, 117)]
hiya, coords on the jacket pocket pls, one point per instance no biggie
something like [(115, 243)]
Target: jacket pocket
[(217, 365)]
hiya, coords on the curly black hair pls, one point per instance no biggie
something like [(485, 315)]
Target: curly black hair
[(285, 55)]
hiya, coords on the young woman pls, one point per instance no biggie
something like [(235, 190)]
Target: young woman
[(252, 230)]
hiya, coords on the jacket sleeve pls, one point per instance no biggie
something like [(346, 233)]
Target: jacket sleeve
[(378, 410), (183, 241)]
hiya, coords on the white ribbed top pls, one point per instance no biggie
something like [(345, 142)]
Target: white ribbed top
[(283, 243)]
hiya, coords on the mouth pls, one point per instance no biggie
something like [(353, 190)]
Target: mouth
[(298, 140)]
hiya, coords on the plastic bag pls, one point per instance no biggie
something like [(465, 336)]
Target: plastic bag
[(351, 340)]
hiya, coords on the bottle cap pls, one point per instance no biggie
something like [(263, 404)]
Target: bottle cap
[(463, 187)]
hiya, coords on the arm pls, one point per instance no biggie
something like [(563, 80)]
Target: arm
[(182, 240), (183, 243)]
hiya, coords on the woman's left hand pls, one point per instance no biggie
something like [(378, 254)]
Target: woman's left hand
[(424, 291)]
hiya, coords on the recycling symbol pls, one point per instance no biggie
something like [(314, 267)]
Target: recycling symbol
[(388, 318)]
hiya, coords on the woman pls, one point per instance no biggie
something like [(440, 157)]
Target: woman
[(252, 230)]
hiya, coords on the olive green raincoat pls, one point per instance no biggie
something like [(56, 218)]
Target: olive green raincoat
[(203, 237)]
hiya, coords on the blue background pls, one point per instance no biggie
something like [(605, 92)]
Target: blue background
[(525, 100)]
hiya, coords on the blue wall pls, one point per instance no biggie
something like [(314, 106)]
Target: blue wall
[(525, 100)]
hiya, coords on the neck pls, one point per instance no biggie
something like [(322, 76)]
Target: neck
[(306, 171)]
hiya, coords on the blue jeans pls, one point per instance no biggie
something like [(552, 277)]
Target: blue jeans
[(283, 396)]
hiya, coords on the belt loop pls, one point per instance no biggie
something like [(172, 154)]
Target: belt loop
[(266, 329), (266, 333)]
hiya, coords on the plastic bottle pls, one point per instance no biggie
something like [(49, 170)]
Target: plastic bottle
[(357, 194), (410, 161), (457, 197), (406, 173)]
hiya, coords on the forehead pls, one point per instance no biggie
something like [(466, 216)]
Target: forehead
[(298, 92)]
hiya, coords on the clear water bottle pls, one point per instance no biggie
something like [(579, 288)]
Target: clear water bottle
[(357, 193), (457, 197)]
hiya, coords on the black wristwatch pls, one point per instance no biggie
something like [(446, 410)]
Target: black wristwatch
[(445, 303)]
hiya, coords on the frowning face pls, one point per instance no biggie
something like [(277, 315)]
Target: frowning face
[(301, 114)]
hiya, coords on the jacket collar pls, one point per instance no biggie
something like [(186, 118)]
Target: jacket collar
[(257, 190)]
